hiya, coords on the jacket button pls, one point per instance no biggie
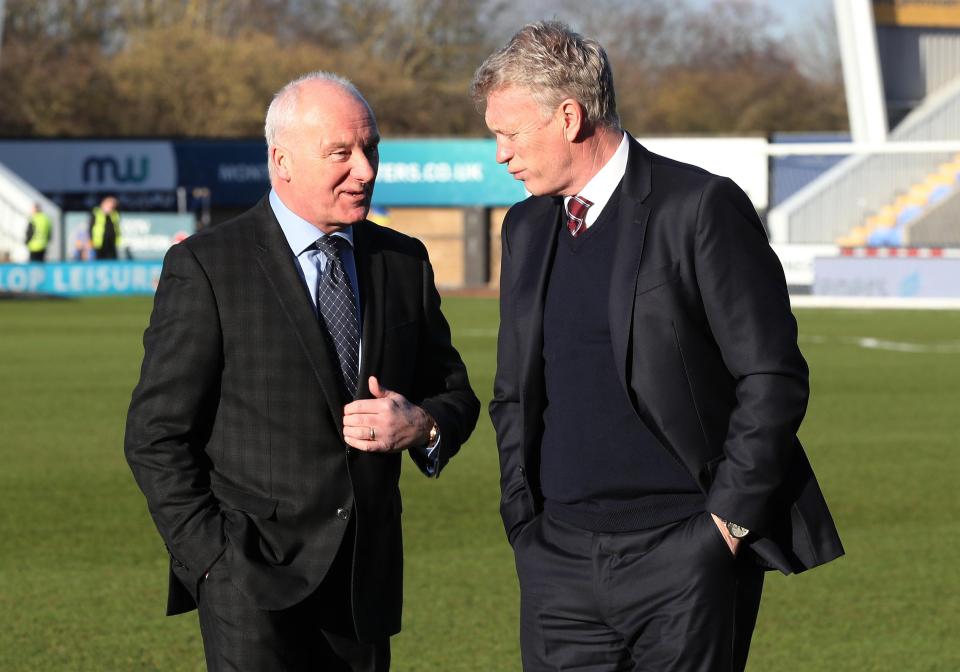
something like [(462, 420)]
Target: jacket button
[(343, 514), (523, 471)]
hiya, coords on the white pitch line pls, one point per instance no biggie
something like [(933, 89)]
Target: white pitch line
[(870, 343), (895, 346)]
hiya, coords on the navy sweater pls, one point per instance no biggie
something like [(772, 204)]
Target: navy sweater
[(601, 468)]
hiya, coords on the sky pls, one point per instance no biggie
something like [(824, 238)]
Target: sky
[(794, 15)]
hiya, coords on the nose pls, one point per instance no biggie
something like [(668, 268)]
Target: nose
[(504, 151), (364, 167)]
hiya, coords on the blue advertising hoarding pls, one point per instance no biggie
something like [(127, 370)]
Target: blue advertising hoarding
[(443, 173), (145, 174), (99, 278), (235, 171), (448, 173), (146, 235)]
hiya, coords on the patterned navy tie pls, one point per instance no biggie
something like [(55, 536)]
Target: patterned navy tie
[(338, 311), (577, 215)]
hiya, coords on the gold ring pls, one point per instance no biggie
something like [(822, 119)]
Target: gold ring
[(373, 434)]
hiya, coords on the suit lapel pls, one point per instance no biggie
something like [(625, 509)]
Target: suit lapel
[(372, 277), (278, 264), (535, 259), (629, 250)]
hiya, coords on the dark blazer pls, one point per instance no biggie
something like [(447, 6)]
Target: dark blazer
[(705, 345), (234, 432)]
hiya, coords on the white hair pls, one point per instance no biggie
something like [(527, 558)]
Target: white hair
[(282, 112)]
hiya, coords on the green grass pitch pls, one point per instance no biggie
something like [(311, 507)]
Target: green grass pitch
[(82, 570)]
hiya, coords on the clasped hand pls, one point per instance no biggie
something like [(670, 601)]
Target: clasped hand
[(385, 424)]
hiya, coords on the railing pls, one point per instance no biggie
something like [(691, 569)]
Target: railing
[(845, 195)]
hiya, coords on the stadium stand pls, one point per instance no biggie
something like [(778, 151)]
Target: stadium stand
[(16, 200), (892, 225), (789, 174), (866, 193), (939, 224)]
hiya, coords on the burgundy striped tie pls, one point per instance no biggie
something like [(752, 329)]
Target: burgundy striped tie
[(577, 215)]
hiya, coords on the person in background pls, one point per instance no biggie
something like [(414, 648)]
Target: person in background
[(649, 386), (80, 244), (294, 355), (39, 230), (105, 237)]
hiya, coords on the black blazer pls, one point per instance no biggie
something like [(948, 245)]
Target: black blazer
[(234, 432), (706, 348)]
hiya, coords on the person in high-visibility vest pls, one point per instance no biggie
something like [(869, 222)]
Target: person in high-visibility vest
[(105, 237), (39, 229)]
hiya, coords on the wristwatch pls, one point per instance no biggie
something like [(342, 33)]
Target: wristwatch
[(736, 531)]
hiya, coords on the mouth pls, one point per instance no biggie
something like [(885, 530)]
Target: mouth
[(358, 196), (517, 174)]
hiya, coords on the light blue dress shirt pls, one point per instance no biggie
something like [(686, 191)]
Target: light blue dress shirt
[(301, 235)]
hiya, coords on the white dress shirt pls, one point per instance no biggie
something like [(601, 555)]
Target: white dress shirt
[(602, 185)]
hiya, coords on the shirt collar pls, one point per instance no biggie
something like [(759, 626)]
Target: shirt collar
[(300, 234), (602, 185)]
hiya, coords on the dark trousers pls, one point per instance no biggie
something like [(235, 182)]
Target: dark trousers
[(40, 255), (316, 634), (670, 598)]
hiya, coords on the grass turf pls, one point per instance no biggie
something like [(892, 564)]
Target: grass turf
[(82, 570)]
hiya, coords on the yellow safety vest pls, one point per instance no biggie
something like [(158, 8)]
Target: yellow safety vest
[(40, 237), (100, 227)]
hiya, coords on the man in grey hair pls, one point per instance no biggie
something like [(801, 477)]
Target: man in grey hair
[(649, 387), (293, 355)]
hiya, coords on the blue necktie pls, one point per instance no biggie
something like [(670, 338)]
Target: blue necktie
[(338, 311)]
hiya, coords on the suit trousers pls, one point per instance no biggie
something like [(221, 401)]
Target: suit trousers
[(666, 599), (316, 634)]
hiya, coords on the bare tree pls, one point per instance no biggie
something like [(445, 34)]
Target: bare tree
[(208, 67)]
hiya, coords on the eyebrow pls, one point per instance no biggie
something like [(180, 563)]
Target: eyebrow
[(331, 146)]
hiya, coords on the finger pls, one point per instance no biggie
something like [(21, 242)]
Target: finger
[(362, 432), (360, 420), (365, 445), (364, 406), (375, 388), (360, 444)]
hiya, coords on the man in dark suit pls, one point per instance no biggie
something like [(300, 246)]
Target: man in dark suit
[(293, 354), (649, 387)]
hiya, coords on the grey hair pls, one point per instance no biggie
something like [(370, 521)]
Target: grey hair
[(282, 112), (552, 62)]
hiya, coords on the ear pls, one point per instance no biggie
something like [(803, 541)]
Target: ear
[(571, 119), (281, 162)]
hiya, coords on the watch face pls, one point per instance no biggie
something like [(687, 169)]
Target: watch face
[(736, 531)]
